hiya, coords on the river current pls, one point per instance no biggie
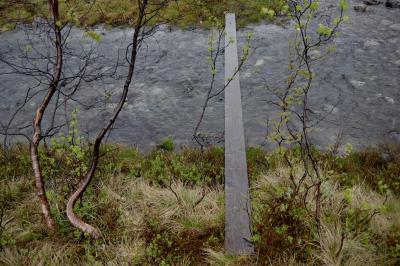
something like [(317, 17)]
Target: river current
[(358, 87)]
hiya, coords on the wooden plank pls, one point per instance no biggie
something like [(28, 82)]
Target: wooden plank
[(237, 204)]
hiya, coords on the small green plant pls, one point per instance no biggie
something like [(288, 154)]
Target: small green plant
[(155, 169), (395, 251), (159, 250), (257, 161), (168, 144), (69, 150), (188, 174)]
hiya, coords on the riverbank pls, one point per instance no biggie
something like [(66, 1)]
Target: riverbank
[(183, 13), (166, 208)]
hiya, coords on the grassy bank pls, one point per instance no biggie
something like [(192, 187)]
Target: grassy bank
[(166, 208), (182, 13)]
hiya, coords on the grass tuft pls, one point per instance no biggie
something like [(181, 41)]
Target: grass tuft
[(167, 208)]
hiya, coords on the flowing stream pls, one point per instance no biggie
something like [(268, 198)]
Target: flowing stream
[(357, 88)]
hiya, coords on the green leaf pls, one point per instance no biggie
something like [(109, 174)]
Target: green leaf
[(314, 6), (285, 9), (93, 35), (343, 5), (264, 11), (28, 48), (347, 196), (268, 12), (324, 30), (336, 21)]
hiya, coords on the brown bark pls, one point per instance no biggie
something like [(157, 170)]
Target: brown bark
[(40, 190), (73, 218), (37, 120)]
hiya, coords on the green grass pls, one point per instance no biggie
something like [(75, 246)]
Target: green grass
[(146, 206), (183, 13)]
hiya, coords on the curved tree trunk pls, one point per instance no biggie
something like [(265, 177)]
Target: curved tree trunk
[(37, 120), (40, 190), (73, 218)]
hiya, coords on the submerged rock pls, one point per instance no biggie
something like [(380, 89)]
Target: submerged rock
[(393, 3), (360, 8), (386, 22), (371, 43), (372, 2), (395, 27)]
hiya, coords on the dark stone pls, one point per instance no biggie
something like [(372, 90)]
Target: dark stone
[(395, 136), (387, 157), (393, 3), (360, 8), (372, 2)]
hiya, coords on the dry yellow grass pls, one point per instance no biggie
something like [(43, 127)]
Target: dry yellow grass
[(147, 223)]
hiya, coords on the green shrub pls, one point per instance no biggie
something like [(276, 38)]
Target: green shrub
[(257, 161), (168, 144), (379, 167)]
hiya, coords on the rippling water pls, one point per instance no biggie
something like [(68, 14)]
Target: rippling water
[(359, 86)]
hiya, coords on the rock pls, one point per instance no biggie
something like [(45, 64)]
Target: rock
[(330, 109), (395, 135), (389, 99), (387, 157), (386, 98), (386, 22), (372, 2), (315, 54), (360, 8), (393, 3), (359, 51), (396, 62), (395, 27), (260, 62), (247, 74), (371, 43), (357, 83), (394, 40)]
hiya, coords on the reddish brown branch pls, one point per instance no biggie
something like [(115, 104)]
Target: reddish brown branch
[(73, 218), (37, 120)]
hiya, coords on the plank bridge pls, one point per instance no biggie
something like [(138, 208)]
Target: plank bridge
[(237, 202)]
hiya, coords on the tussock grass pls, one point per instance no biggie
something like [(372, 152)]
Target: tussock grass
[(166, 208)]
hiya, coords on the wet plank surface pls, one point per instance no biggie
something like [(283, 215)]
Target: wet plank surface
[(237, 206)]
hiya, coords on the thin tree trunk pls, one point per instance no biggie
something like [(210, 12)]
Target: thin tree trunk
[(73, 218), (37, 120), (40, 190)]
